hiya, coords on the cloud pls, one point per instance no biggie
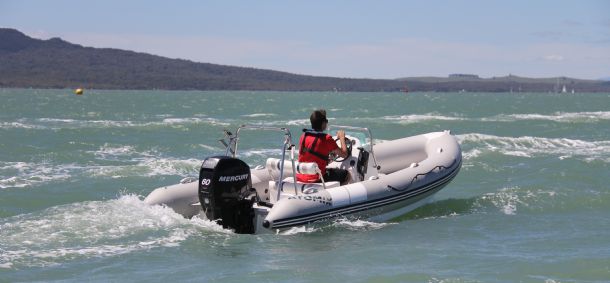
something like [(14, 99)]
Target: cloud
[(553, 57), (570, 22), (40, 34), (550, 35)]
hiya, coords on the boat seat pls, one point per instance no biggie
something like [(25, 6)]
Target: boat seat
[(289, 183), (273, 167)]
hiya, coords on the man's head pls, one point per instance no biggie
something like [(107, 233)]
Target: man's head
[(318, 120)]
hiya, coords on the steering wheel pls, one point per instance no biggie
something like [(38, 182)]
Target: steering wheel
[(348, 145)]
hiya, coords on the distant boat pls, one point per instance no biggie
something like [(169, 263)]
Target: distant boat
[(563, 90)]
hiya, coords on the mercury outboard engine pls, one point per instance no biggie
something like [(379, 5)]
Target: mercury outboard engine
[(225, 193)]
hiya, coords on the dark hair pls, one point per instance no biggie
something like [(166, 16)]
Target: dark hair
[(317, 118)]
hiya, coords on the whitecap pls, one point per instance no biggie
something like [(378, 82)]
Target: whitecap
[(6, 265), (19, 125), (25, 174), (110, 152), (415, 118), (210, 148), (344, 223), (261, 152), (506, 200), (195, 120), (359, 224), (94, 229), (517, 153), (556, 117), (528, 146), (298, 122), (142, 163), (150, 166), (148, 163), (61, 123), (58, 123), (171, 166), (471, 154), (509, 199), (256, 115), (298, 230)]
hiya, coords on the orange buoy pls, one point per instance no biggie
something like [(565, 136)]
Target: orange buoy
[(78, 91)]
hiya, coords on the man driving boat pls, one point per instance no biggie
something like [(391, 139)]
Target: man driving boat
[(316, 146)]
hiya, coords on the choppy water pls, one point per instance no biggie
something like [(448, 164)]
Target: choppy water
[(531, 204)]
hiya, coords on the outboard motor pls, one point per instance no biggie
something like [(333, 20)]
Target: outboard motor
[(225, 193)]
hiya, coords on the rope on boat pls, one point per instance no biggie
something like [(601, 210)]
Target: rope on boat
[(422, 174)]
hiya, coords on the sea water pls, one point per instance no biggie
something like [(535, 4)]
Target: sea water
[(531, 203)]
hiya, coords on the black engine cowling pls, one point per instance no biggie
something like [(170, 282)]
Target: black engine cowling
[(225, 193)]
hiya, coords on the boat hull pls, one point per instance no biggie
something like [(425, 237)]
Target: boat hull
[(391, 205)]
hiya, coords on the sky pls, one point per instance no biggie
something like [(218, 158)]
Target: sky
[(357, 39)]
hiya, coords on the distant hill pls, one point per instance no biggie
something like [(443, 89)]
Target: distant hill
[(55, 63)]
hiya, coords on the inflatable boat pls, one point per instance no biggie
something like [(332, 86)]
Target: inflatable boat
[(386, 180)]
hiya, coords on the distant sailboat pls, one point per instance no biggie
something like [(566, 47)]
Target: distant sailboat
[(564, 90)]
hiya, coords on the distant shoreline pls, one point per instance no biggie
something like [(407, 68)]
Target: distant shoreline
[(57, 64), (71, 91)]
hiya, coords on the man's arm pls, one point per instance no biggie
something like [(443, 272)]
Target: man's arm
[(342, 152)]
